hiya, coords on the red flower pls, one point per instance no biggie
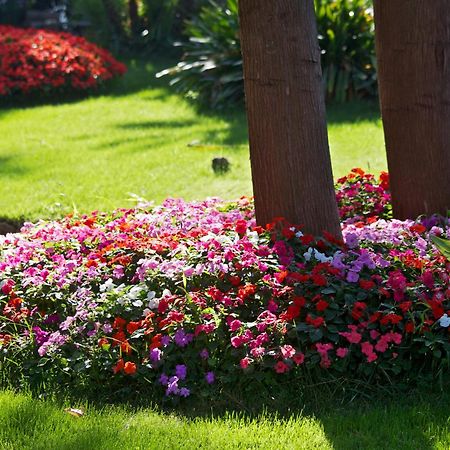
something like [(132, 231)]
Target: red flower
[(322, 305), (316, 323), (119, 323), (103, 342), (133, 326), (358, 310), (319, 280), (241, 227), (366, 284), (129, 368), (119, 366), (391, 318), (418, 228)]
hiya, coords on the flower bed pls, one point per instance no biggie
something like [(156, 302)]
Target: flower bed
[(187, 298), (40, 61)]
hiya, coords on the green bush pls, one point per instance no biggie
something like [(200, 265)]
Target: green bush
[(142, 25), (99, 14), (211, 66), (12, 12), (346, 38)]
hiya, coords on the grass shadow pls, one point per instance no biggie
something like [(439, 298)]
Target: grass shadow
[(9, 167)]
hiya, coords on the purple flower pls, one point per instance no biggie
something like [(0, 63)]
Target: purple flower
[(181, 371), (352, 277), (164, 379), (40, 336), (165, 340), (181, 338), (172, 386), (67, 323), (155, 355), (52, 318), (184, 392), (204, 354), (210, 377)]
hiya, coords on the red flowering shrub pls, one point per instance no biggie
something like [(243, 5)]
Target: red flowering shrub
[(47, 61), (187, 298)]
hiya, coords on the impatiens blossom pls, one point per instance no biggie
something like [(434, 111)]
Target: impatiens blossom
[(444, 321)]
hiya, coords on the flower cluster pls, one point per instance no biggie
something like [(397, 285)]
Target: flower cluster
[(188, 297), (46, 61), (363, 198)]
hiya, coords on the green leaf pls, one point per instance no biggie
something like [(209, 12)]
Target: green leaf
[(443, 245)]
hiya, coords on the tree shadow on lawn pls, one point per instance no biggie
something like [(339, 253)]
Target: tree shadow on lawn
[(9, 167)]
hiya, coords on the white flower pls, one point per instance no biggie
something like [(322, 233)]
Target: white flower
[(107, 286), (444, 321), (253, 237), (318, 256), (134, 292), (308, 254), (321, 257)]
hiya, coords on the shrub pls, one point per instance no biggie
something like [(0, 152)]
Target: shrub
[(346, 37), (12, 11), (46, 62), (191, 298), (211, 66)]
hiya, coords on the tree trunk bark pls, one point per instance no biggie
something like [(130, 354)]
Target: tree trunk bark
[(290, 160), (413, 50)]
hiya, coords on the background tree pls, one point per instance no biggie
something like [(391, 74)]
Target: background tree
[(291, 168), (413, 49)]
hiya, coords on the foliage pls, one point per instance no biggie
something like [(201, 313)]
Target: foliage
[(346, 37), (188, 299), (443, 245), (211, 67), (38, 61), (12, 11), (101, 29), (152, 26)]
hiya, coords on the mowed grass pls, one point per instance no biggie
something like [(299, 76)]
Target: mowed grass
[(26, 423), (100, 152)]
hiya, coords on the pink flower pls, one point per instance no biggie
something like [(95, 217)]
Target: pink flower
[(235, 325), (353, 337), (382, 345), (237, 341), (245, 362), (281, 367), (298, 358), (257, 352), (374, 334), (342, 352), (287, 351), (367, 349)]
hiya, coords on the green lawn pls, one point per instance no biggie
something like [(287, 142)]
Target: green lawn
[(95, 153), (31, 424)]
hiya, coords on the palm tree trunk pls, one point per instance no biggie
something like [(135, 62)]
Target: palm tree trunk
[(291, 168), (413, 50)]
